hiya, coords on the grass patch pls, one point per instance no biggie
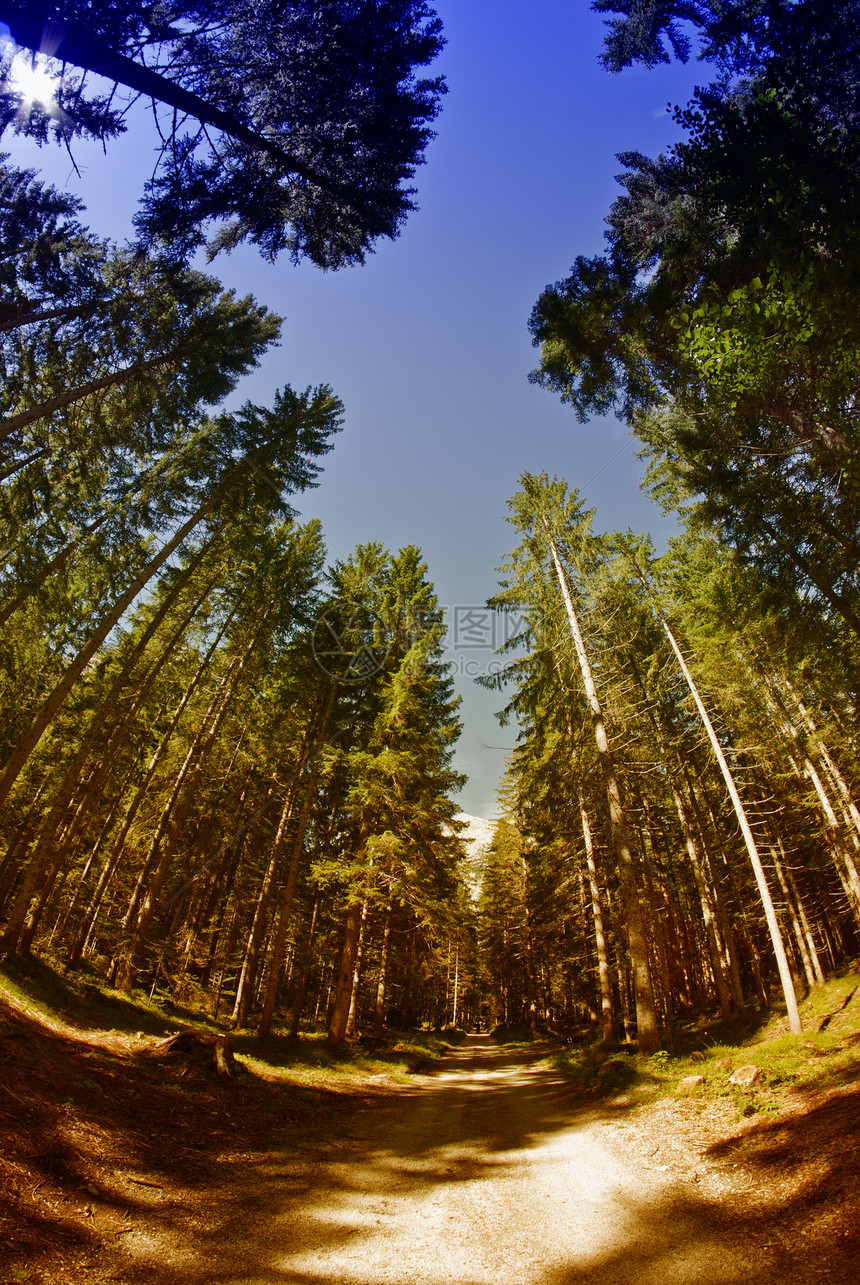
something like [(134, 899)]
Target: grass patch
[(87, 1005), (83, 1000), (309, 1060), (825, 1056)]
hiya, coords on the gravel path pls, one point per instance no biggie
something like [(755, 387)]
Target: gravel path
[(489, 1172)]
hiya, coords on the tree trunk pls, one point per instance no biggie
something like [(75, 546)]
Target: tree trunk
[(724, 922), (40, 724), (345, 975), (806, 929), (304, 971), (75, 43), (797, 916), (57, 561), (174, 813), (118, 846), (382, 979), (844, 832), (646, 1014), (356, 974), (63, 555), (40, 860), (607, 1013), (19, 465), (45, 409), (230, 861), (248, 976), (42, 854), (706, 903), (285, 906), (752, 851)]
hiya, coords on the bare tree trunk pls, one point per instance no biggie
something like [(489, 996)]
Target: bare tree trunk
[(705, 901), (174, 814), (229, 867), (356, 975), (285, 905), (117, 847), (304, 971), (646, 1013), (531, 980), (724, 921), (851, 809), (607, 1013), (842, 833), (57, 872), (752, 851), (345, 975), (797, 916), (11, 865), (248, 976), (42, 853), (806, 928)]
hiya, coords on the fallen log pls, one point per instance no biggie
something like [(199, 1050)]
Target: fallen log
[(197, 1044)]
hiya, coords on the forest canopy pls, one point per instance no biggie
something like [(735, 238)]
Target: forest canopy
[(225, 765), (721, 321), (296, 127)]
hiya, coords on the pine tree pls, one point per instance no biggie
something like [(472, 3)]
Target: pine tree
[(553, 526)]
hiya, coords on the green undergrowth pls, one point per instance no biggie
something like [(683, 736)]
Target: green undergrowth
[(309, 1060), (78, 1001), (825, 1056), (82, 1000), (520, 1035)]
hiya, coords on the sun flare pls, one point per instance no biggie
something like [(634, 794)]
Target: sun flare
[(33, 81)]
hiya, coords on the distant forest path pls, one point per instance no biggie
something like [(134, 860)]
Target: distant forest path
[(491, 1171)]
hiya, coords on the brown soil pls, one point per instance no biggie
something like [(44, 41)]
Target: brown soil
[(98, 1132), (104, 1139), (789, 1182)]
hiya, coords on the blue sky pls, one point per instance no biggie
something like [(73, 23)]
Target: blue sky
[(427, 343)]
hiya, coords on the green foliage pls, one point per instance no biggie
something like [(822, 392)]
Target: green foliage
[(295, 127), (722, 321), (781, 690), (160, 666), (392, 768)]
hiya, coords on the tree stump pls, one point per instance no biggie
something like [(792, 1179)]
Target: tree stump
[(200, 1044)]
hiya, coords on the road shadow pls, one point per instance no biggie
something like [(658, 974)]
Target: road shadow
[(470, 1122), (197, 1182)]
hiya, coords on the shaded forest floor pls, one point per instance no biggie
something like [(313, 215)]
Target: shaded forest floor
[(782, 1154), (100, 1135), (97, 1129)]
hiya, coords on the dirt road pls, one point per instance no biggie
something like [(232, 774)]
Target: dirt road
[(489, 1172)]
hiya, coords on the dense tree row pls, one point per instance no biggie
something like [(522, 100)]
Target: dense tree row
[(252, 780), (722, 322), (683, 832), (682, 811), (225, 770)]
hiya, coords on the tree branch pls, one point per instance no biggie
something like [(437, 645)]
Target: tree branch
[(71, 42)]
